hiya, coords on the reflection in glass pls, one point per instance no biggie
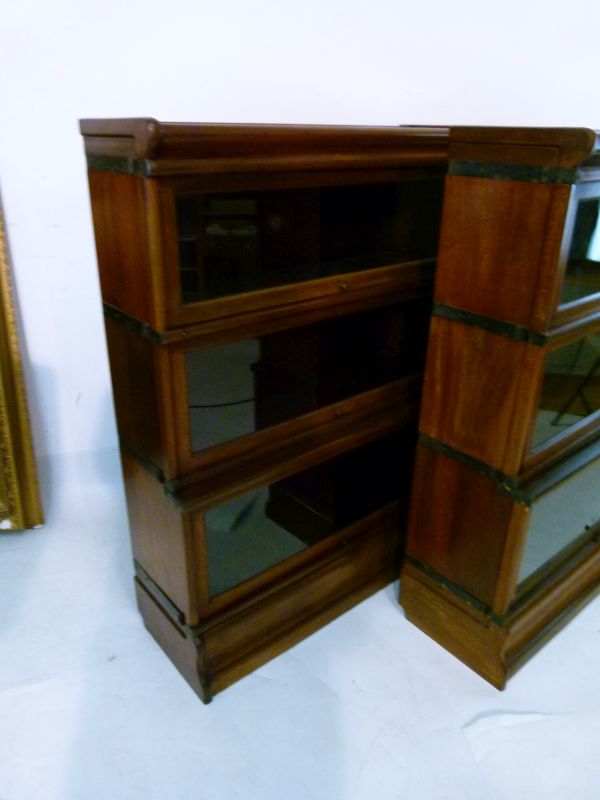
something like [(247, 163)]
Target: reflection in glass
[(560, 516), (251, 533), (230, 244), (239, 388), (571, 387), (582, 276)]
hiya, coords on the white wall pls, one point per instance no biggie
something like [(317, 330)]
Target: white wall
[(337, 61)]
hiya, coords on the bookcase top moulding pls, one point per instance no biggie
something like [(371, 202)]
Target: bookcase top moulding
[(558, 148), (146, 146)]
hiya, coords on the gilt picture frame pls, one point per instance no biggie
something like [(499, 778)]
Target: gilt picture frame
[(20, 505)]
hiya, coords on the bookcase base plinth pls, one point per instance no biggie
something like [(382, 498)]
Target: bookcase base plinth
[(226, 647), (496, 648)]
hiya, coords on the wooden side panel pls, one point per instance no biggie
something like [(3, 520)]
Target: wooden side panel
[(459, 523), (118, 210), (135, 390), (479, 393), (461, 630), (163, 540), (499, 247), (182, 650)]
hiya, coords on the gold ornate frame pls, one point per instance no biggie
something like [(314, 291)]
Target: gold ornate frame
[(20, 505)]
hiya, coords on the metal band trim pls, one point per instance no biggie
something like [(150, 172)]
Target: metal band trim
[(512, 172), (122, 164), (505, 484), (148, 465), (133, 324), (456, 590), (507, 329)]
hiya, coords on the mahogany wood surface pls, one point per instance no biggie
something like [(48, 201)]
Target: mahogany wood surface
[(139, 264), (260, 180), (164, 542), (137, 391), (500, 241), (507, 226), (139, 170), (119, 214), (357, 408), (458, 519), (548, 610), (148, 138), (392, 517), (496, 649), (466, 633), (288, 306), (213, 655), (202, 489), (480, 390), (183, 650), (554, 147)]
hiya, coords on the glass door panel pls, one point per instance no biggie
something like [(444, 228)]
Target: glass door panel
[(239, 388), (236, 243), (582, 275), (571, 388), (260, 529), (562, 515)]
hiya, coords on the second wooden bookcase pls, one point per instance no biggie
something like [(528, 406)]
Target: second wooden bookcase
[(504, 535)]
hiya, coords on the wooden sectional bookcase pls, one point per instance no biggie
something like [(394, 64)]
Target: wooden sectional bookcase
[(267, 293), (503, 543)]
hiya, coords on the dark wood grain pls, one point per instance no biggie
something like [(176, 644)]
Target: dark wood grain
[(148, 138), (229, 645), (164, 541), (136, 391), (497, 650), (479, 393), (183, 650), (118, 210), (308, 460), (506, 236), (458, 520), (139, 263), (205, 488), (297, 296), (500, 241), (466, 633), (561, 147)]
